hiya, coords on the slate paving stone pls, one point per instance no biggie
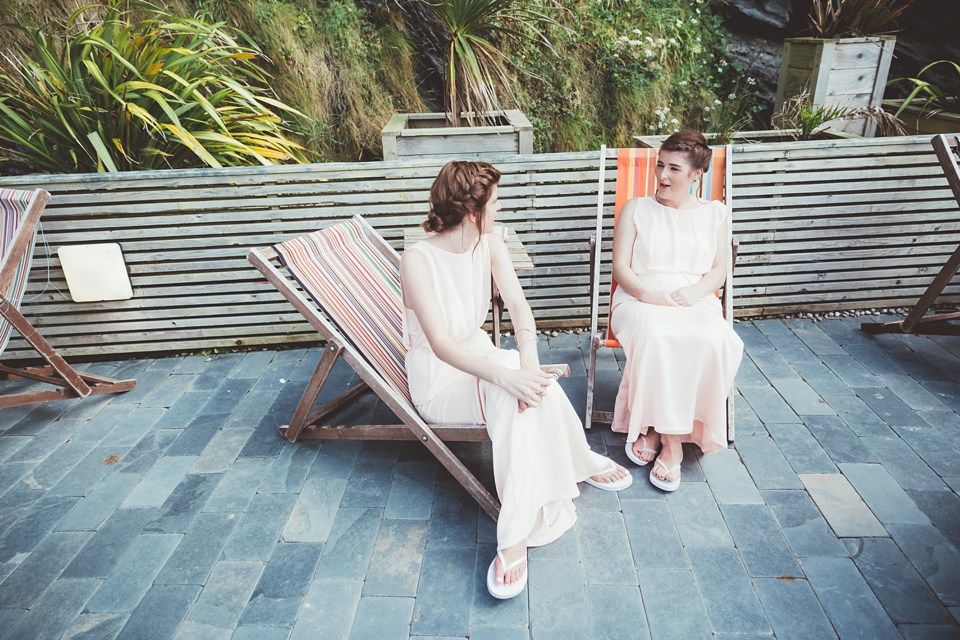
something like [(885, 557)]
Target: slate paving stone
[(274, 376), (179, 510), (49, 472), (45, 443), (193, 364), (937, 560), (55, 610), (147, 381), (132, 576), (106, 420), (498, 633), (97, 505), (350, 544), (947, 391), (753, 339), (912, 393), (395, 565), (197, 435), (218, 608), (238, 485), (253, 364), (662, 589), (769, 405), (328, 611), (257, 632), (453, 521), (250, 411), (928, 631), (557, 599), (842, 506), (858, 416), (489, 612), (943, 509), (800, 448), (315, 509), (851, 372), (222, 451), (195, 556), (840, 443), (167, 392), (575, 388), (847, 600), (745, 419), (616, 613), (727, 594), (748, 375), (933, 448), (224, 400), (889, 407), (814, 337), (12, 472), (766, 464), (102, 552), (785, 341), (386, 618), (10, 445), (369, 483), (157, 485), (445, 593), (135, 426), (290, 468), (8, 619), (215, 372), (25, 585), (283, 584), (902, 592), (100, 626), (729, 479), (183, 410), (801, 397), (698, 520), (901, 462), (264, 441), (40, 417), (605, 552), (160, 612), (259, 528), (24, 535), (822, 380), (759, 540), (793, 610), (772, 364), (883, 495), (411, 491), (934, 354), (653, 535), (142, 456)]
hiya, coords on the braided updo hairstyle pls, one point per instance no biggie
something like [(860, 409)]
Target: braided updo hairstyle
[(460, 188), (693, 145)]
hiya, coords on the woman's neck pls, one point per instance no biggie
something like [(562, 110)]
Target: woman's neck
[(682, 201), (458, 239)]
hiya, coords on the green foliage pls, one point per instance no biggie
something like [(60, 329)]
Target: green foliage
[(475, 67), (846, 18), (140, 90), (935, 97), (798, 114)]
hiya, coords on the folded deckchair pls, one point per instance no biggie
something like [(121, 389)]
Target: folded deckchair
[(19, 215), (352, 278), (636, 179)]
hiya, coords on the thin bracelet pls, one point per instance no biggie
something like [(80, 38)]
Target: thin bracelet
[(523, 342), (532, 332)]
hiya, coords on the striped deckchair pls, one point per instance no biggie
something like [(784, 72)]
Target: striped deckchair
[(352, 278), (636, 178), (19, 215)]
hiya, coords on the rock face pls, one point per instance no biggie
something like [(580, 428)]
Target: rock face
[(927, 33)]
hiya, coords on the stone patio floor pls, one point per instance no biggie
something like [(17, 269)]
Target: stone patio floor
[(176, 511)]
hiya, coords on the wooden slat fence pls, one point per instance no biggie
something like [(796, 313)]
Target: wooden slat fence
[(832, 225)]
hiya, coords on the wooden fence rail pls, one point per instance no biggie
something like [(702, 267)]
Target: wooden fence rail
[(828, 225)]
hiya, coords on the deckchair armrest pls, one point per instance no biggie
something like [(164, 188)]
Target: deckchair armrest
[(556, 370)]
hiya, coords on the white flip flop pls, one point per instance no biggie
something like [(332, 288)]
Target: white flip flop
[(618, 485), (505, 591), (666, 485), (634, 458)]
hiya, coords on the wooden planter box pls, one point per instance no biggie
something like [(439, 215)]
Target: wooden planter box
[(919, 121), (426, 135), (748, 137), (847, 72)]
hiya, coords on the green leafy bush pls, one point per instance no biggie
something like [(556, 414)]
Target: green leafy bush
[(140, 89)]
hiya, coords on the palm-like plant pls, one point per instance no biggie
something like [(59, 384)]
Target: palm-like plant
[(844, 18), (475, 68), (936, 97), (125, 94), (805, 121)]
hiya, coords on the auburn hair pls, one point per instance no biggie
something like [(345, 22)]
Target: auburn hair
[(693, 145), (460, 188)]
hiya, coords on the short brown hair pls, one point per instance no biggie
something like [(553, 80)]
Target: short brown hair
[(694, 145), (460, 188)]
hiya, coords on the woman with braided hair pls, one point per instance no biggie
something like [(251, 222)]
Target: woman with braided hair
[(669, 257), (457, 375)]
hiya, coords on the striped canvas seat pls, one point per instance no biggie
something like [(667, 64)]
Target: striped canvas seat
[(359, 290), (13, 214)]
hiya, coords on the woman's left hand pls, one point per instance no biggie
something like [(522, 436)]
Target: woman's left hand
[(683, 297)]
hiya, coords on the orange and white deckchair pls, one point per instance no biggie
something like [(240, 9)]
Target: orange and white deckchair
[(19, 215), (636, 179)]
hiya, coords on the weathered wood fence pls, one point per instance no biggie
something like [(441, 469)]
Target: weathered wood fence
[(829, 225)]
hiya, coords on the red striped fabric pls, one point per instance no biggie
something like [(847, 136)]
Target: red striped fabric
[(358, 289), (13, 209)]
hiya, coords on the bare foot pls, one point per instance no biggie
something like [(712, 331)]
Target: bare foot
[(671, 456), (613, 476), (511, 555), (649, 441)]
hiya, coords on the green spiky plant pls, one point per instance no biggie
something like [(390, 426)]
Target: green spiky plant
[(846, 18), (805, 121), (140, 89), (936, 98), (475, 67)]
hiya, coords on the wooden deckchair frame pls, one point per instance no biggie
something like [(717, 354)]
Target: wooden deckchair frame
[(599, 339), (308, 424), (917, 321), (57, 372)]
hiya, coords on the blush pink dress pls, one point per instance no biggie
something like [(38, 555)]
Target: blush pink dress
[(681, 361), (539, 455)]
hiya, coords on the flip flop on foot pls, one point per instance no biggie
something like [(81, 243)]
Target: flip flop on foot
[(614, 485), (631, 454), (502, 591), (663, 483)]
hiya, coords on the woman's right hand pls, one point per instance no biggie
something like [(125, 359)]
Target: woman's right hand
[(526, 385), (661, 297)]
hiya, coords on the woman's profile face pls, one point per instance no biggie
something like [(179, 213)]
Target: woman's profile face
[(490, 210), (675, 175)]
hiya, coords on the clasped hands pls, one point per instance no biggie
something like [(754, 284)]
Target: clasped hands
[(527, 385), (682, 297)]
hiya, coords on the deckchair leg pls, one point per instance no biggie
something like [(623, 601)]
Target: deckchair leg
[(44, 348), (320, 375), (591, 380)]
